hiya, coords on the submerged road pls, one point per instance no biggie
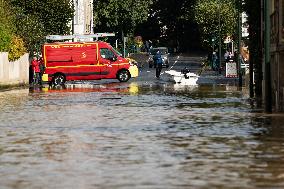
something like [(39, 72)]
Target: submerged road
[(145, 133)]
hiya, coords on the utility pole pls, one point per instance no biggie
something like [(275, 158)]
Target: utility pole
[(219, 22), (72, 24), (239, 42), (267, 74)]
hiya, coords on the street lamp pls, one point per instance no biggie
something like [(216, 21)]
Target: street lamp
[(239, 4), (219, 28), (213, 44)]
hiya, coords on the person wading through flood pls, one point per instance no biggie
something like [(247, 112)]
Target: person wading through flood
[(36, 70), (158, 62), (42, 68)]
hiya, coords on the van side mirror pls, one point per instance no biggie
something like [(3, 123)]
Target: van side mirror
[(113, 59)]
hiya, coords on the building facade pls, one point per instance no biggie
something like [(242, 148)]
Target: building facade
[(277, 54), (83, 18)]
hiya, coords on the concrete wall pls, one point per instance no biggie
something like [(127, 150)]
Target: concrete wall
[(12, 73)]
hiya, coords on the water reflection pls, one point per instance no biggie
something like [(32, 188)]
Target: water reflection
[(268, 154), (138, 135)]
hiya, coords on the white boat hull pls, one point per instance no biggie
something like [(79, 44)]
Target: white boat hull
[(183, 79)]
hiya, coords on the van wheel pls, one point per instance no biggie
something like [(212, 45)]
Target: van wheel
[(123, 76), (58, 79)]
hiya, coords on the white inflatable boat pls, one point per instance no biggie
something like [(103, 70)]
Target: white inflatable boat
[(184, 77)]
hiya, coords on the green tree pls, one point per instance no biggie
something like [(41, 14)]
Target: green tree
[(207, 14), (9, 42), (6, 30), (6, 37), (117, 15), (38, 18), (17, 48), (55, 15), (30, 29), (171, 23)]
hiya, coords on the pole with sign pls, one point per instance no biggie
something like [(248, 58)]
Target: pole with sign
[(124, 46), (231, 66)]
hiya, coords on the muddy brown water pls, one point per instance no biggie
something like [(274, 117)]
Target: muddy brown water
[(138, 135)]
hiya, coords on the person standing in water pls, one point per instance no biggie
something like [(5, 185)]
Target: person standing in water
[(36, 70), (158, 63)]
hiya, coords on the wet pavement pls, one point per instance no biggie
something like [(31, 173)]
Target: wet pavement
[(145, 133)]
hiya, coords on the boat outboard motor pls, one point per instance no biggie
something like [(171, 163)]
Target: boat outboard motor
[(185, 71)]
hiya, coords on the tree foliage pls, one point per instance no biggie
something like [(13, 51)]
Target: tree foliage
[(38, 18), (55, 15), (5, 27), (117, 15), (172, 23), (9, 42), (207, 14), (30, 29), (30, 21), (17, 48), (5, 37)]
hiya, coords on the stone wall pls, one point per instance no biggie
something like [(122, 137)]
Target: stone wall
[(13, 73)]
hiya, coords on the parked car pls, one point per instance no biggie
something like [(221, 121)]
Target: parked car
[(164, 54)]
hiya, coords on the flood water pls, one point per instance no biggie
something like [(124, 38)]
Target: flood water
[(137, 136)]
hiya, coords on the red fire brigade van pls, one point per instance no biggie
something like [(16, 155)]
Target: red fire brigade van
[(66, 61)]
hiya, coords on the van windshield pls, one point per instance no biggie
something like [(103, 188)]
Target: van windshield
[(117, 52)]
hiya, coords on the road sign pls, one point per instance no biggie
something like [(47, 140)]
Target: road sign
[(231, 69)]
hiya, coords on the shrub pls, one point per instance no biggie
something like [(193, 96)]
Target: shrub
[(17, 48), (6, 38)]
